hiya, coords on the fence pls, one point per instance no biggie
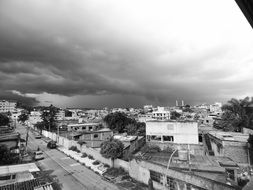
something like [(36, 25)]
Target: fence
[(66, 143)]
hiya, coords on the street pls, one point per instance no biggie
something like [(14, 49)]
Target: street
[(71, 174)]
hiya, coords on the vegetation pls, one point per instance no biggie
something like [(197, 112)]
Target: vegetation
[(112, 149), (4, 120), (48, 117), (23, 117), (236, 115), (150, 149), (84, 155), (119, 122), (115, 172), (90, 157), (74, 148), (96, 162), (174, 115)]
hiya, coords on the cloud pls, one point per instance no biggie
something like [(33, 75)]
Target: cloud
[(118, 53)]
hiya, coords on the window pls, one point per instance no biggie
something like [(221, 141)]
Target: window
[(171, 183), (7, 177), (230, 174), (168, 138), (155, 138), (155, 176), (200, 138), (90, 128), (83, 128), (95, 136)]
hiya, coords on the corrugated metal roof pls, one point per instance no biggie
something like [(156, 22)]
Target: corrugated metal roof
[(31, 167)]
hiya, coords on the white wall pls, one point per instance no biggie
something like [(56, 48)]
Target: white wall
[(183, 132)]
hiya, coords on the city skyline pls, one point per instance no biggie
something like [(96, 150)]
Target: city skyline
[(124, 54)]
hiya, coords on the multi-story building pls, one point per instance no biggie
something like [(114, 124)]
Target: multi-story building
[(7, 106), (34, 117), (161, 114), (175, 135)]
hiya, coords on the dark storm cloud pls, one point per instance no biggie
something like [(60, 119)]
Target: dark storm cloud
[(87, 48)]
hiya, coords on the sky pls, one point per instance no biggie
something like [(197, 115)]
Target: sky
[(117, 53)]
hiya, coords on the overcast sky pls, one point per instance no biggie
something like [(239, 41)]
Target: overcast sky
[(118, 53)]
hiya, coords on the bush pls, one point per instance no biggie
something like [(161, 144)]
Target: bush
[(150, 149), (73, 148), (106, 166), (90, 157), (96, 162), (116, 171), (84, 155)]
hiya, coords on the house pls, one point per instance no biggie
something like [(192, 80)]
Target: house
[(11, 140), (35, 117), (79, 127), (94, 139), (161, 114), (7, 106), (200, 173), (174, 134), (20, 176), (230, 144), (131, 143)]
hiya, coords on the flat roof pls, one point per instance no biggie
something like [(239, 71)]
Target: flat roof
[(230, 136), (31, 167), (125, 138)]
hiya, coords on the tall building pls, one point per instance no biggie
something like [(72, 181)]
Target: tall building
[(7, 106)]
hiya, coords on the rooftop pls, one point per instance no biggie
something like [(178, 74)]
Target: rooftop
[(31, 167), (230, 136)]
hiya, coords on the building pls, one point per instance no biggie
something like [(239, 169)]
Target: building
[(131, 143), (174, 134), (202, 174), (7, 106), (216, 107), (94, 139), (60, 115), (10, 139), (145, 117), (79, 127), (230, 144), (161, 114), (148, 108), (35, 117)]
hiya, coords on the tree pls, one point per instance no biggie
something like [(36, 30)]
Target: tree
[(112, 149), (4, 120), (236, 115), (23, 117), (48, 117), (118, 121), (174, 115)]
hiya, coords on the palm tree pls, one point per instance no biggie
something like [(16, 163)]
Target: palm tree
[(236, 115)]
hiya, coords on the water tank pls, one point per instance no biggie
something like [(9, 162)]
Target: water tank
[(183, 155)]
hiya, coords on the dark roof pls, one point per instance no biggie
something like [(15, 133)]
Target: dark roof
[(25, 185)]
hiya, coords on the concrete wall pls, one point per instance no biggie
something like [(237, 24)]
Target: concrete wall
[(139, 170), (247, 131), (183, 132)]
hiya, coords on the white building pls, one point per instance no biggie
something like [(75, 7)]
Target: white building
[(161, 114), (34, 117), (7, 106), (172, 132), (147, 108), (216, 107), (60, 115)]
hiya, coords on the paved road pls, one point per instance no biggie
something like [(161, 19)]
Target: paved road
[(70, 173)]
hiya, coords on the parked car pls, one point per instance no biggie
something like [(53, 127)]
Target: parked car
[(51, 144), (38, 155)]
